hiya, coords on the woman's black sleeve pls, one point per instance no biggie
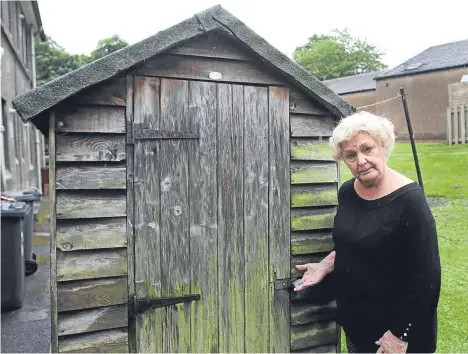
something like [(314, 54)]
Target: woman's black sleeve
[(421, 286)]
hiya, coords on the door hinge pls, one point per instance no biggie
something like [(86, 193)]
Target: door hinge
[(287, 283), (137, 306)]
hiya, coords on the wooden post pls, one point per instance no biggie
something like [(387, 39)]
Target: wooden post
[(456, 135), (463, 123), (410, 132), (449, 125)]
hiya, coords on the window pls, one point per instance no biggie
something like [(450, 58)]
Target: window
[(6, 134)]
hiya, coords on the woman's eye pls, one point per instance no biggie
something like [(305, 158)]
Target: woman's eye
[(368, 150), (351, 156)]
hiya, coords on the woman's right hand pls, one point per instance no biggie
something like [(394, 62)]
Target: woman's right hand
[(314, 273)]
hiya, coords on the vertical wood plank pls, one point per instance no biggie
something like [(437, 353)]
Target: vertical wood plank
[(203, 217), (449, 126), (53, 237), (462, 124), (230, 218), (256, 219), (279, 217), (175, 246), (147, 230)]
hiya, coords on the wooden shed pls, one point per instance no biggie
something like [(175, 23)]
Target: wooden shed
[(189, 173)]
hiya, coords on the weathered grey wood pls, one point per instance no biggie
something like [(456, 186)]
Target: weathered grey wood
[(311, 242), (299, 103), (311, 149), (85, 294), (101, 147), (256, 218), (108, 93), (309, 172), (198, 68), (230, 218), (212, 45), (52, 225), (91, 234), (146, 134), (311, 125), (312, 219), (175, 249), (279, 217), (314, 195), (91, 177), (91, 264), (329, 348), (203, 217), (90, 119), (130, 220), (92, 320), (311, 335), (146, 186), (112, 341), (90, 205), (303, 314)]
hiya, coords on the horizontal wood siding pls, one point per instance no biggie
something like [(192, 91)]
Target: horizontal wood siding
[(91, 242), (87, 234), (112, 341), (85, 294), (314, 197), (313, 334), (212, 45), (92, 320), (90, 204), (91, 264), (199, 68), (100, 176)]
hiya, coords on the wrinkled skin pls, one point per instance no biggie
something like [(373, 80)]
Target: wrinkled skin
[(391, 344)]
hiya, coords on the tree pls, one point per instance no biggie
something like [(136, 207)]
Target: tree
[(107, 46), (337, 55), (53, 61)]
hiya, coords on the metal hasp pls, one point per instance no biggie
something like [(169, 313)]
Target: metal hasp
[(141, 133), (287, 283), (137, 306)]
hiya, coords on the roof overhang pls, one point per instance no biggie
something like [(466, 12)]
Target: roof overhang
[(34, 103)]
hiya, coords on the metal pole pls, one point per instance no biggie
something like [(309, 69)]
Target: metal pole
[(410, 131)]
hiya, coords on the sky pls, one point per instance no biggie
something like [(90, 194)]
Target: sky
[(399, 28)]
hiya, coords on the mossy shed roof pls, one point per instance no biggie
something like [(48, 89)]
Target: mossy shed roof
[(32, 104)]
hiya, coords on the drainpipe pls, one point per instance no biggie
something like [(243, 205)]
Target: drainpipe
[(40, 158)]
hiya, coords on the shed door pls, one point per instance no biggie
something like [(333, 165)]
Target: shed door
[(212, 214)]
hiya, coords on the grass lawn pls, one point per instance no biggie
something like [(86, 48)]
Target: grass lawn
[(444, 172)]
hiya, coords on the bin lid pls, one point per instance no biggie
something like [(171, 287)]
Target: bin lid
[(14, 209), (23, 196)]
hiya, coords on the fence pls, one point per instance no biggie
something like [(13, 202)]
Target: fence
[(457, 124)]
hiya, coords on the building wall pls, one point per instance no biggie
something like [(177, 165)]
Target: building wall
[(428, 99), (360, 99), (22, 144)]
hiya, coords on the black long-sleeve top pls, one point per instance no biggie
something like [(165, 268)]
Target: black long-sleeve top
[(387, 272)]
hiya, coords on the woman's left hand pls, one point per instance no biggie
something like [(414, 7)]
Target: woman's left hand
[(391, 344)]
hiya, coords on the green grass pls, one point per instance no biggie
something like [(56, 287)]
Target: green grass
[(444, 172)]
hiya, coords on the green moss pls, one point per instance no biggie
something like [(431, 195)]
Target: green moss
[(315, 174), (304, 199), (312, 222), (312, 152)]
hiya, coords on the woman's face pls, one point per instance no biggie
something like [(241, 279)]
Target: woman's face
[(365, 158)]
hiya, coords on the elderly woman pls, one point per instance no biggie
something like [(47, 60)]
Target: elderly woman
[(385, 263)]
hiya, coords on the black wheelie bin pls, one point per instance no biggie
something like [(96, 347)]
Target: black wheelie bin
[(12, 246), (29, 197)]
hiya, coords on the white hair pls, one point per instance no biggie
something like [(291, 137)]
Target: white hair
[(380, 128)]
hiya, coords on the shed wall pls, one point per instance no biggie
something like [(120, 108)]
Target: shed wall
[(93, 206)]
